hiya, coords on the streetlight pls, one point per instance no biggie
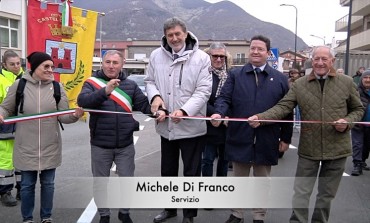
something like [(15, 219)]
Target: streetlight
[(102, 14), (322, 38), (295, 38)]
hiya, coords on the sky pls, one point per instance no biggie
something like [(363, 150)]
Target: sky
[(315, 17)]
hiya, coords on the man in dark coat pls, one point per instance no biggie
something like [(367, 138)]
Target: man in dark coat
[(112, 134), (361, 133), (250, 89)]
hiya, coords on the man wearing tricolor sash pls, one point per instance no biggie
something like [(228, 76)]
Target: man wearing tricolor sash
[(111, 135)]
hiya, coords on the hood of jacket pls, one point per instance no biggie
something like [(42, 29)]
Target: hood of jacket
[(32, 80)]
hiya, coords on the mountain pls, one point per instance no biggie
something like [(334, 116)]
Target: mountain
[(143, 20)]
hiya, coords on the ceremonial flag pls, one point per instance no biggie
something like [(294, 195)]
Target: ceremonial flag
[(67, 37)]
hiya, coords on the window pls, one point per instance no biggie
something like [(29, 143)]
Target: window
[(240, 58), (366, 22), (9, 32)]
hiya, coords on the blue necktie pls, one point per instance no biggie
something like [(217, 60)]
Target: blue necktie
[(258, 76)]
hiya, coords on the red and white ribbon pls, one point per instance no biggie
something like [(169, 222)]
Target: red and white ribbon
[(21, 118)]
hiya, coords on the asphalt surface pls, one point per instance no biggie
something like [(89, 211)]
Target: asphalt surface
[(352, 203)]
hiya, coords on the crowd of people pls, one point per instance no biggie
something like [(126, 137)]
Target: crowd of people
[(183, 80)]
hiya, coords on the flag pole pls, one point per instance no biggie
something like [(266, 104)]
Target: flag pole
[(71, 1)]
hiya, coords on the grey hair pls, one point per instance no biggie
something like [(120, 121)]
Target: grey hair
[(217, 45), (172, 22), (331, 50), (113, 52)]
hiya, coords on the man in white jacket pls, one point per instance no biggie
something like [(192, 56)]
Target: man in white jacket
[(179, 84)]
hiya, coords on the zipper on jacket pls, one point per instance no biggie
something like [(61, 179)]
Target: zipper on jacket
[(180, 78), (117, 126), (322, 118), (39, 132)]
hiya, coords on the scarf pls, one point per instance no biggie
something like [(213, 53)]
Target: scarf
[(222, 76)]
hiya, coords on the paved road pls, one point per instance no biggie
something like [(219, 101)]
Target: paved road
[(351, 205)]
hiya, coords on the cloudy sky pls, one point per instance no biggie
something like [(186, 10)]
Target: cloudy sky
[(315, 17)]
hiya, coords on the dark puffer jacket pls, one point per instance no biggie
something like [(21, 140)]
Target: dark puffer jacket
[(112, 130)]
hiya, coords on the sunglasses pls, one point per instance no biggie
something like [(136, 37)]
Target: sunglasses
[(49, 67), (218, 56)]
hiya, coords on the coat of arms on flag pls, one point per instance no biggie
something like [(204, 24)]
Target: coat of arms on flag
[(67, 34)]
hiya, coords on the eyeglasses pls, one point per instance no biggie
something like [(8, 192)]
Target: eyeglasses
[(259, 49), (48, 67), (215, 57)]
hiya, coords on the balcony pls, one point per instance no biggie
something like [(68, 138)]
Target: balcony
[(341, 24), (361, 41), (344, 2), (360, 7)]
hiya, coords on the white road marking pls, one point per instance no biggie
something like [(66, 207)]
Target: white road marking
[(114, 167), (293, 147), (140, 157), (88, 215), (90, 211), (135, 139), (148, 119), (141, 127)]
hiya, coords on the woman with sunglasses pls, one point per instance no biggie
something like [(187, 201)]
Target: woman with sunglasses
[(38, 143), (215, 145)]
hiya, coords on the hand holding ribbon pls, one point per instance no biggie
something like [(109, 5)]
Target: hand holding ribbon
[(79, 112), (253, 121), (341, 125)]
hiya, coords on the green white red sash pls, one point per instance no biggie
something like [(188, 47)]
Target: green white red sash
[(117, 95)]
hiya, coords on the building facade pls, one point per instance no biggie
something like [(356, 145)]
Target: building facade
[(360, 25), (359, 40), (141, 49), (13, 26)]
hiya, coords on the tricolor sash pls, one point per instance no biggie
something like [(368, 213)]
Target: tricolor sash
[(117, 95)]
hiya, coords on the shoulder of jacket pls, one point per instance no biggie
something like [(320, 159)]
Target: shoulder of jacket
[(346, 77)]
